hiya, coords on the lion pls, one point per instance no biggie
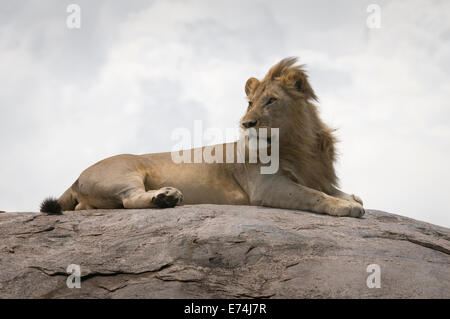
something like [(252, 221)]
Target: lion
[(306, 178)]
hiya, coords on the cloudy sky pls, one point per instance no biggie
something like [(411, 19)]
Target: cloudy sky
[(137, 70)]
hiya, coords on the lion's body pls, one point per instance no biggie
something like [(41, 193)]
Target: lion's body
[(306, 178), (107, 183)]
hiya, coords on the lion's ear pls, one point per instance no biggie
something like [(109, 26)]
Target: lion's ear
[(251, 85), (299, 81)]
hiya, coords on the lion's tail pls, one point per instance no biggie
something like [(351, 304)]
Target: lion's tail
[(67, 201)]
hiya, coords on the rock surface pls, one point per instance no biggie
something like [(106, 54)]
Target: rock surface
[(210, 251)]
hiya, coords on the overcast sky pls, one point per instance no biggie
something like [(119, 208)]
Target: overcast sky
[(137, 70)]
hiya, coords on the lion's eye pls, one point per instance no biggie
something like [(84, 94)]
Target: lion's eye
[(271, 100), (250, 103)]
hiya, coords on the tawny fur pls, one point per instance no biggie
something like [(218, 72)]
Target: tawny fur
[(307, 146), (306, 179)]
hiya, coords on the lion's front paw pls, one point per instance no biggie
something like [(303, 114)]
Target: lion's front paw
[(167, 197), (357, 199), (347, 209)]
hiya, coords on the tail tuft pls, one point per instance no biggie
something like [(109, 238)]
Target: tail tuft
[(51, 206)]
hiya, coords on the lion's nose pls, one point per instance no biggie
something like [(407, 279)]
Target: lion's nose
[(249, 124)]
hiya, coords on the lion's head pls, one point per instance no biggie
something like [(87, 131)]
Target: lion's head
[(284, 99)]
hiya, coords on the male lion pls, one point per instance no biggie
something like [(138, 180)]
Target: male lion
[(306, 179)]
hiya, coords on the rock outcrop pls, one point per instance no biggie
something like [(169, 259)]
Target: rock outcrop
[(210, 251)]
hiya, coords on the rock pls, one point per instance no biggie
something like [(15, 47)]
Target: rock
[(211, 251)]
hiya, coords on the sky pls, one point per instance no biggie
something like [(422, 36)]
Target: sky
[(137, 70)]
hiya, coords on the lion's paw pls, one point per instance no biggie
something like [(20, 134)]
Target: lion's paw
[(167, 197), (348, 209), (357, 199)]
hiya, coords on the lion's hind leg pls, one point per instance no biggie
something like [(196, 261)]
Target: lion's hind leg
[(83, 206), (161, 198)]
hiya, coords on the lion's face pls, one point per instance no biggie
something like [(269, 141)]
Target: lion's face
[(268, 106), (275, 101)]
